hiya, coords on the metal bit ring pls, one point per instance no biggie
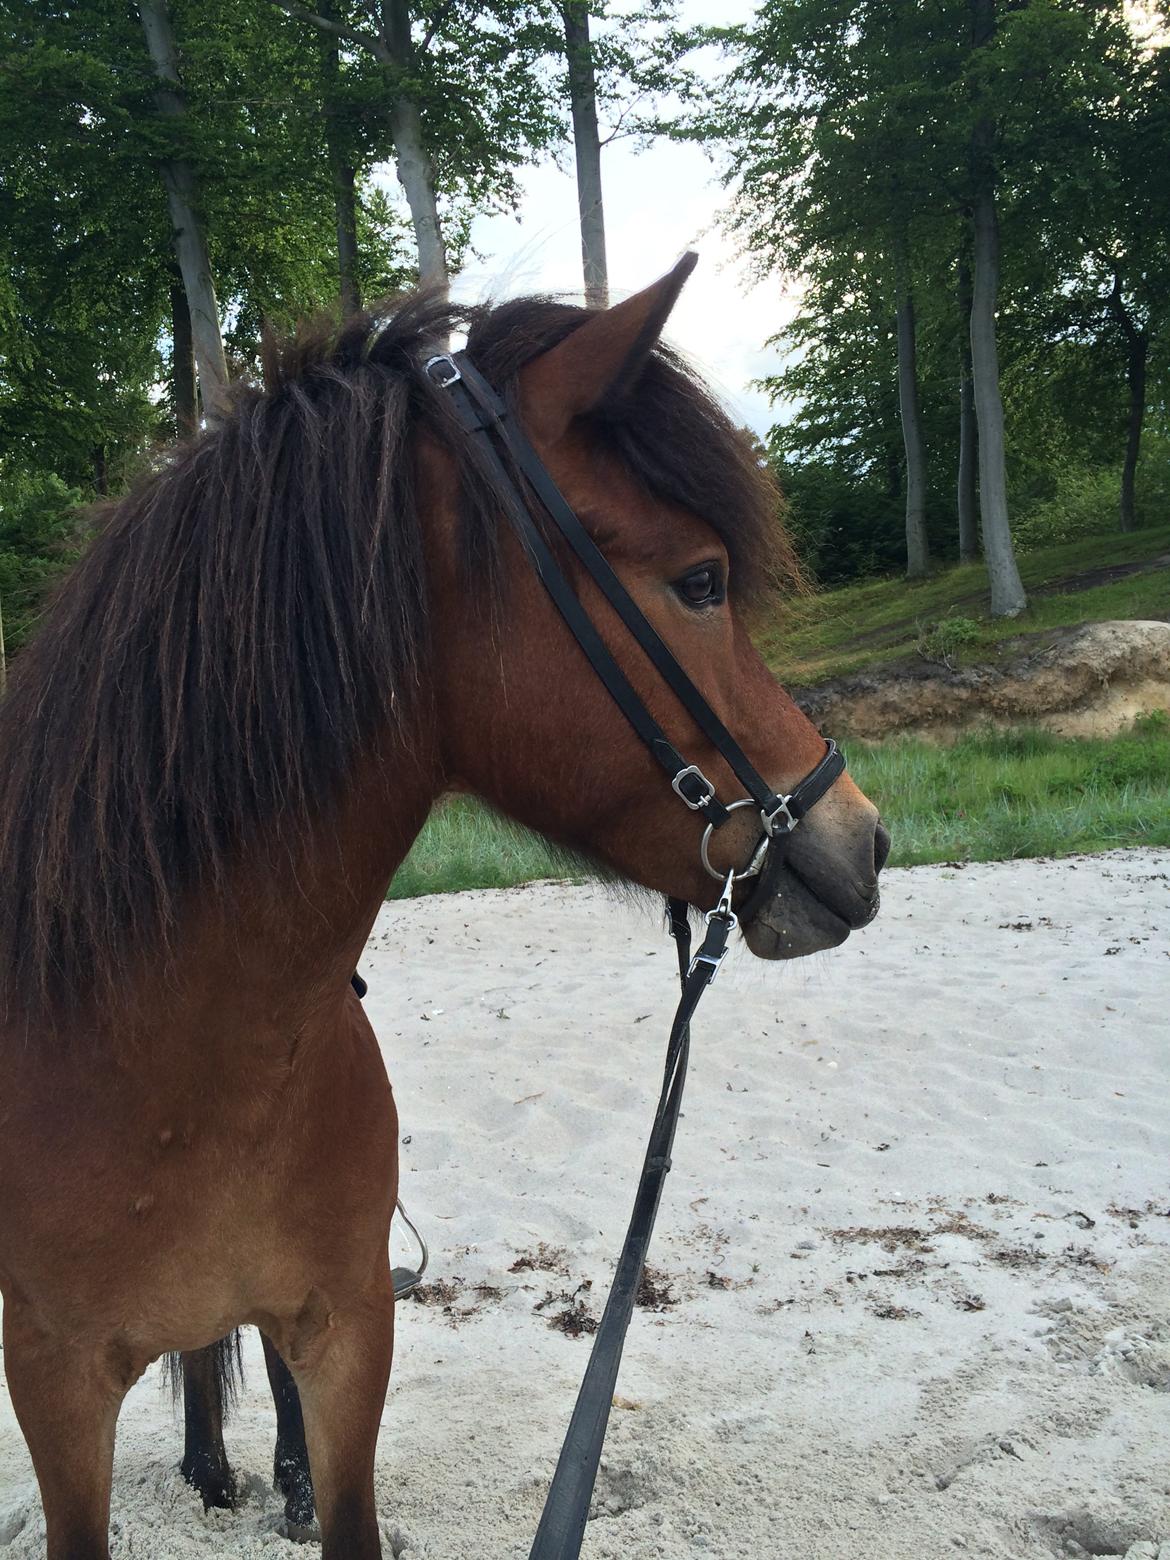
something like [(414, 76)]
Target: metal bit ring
[(753, 865)]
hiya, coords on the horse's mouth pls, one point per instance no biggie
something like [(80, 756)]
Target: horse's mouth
[(798, 907)]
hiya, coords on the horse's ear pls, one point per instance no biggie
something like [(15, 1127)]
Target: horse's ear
[(600, 359)]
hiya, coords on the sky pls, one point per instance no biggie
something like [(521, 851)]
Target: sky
[(659, 201)]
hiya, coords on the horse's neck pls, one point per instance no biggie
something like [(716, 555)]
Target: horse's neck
[(278, 958)]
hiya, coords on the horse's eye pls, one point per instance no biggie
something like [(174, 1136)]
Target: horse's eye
[(702, 587)]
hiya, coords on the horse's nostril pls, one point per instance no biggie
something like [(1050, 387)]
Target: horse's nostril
[(881, 846)]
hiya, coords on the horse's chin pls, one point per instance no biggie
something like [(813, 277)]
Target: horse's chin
[(777, 932), (785, 917)]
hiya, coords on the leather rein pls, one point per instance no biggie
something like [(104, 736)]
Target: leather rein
[(497, 433)]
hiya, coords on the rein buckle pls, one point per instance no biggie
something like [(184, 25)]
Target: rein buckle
[(714, 949), (712, 960)]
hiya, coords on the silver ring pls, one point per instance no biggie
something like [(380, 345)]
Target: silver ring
[(753, 865)]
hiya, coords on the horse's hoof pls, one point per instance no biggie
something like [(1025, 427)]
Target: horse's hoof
[(299, 1532), (290, 1475), (215, 1483)]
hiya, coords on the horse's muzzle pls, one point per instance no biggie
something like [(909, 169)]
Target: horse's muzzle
[(811, 894)]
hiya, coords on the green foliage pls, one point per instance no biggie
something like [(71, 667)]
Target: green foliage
[(843, 529), (848, 136), (1081, 501), (996, 795), (466, 845), (945, 639), (41, 535)]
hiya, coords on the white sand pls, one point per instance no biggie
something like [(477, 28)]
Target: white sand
[(986, 1372)]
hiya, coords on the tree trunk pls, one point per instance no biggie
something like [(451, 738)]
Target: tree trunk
[(3, 655), (101, 471), (342, 175), (416, 171), (1007, 589), (1135, 378), (183, 365), (1137, 347), (183, 201), (586, 150), (910, 410), (968, 433), (392, 46), (345, 201)]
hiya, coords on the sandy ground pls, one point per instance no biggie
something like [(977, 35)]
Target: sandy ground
[(912, 1269)]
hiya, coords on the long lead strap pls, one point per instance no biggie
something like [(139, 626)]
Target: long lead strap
[(566, 1510)]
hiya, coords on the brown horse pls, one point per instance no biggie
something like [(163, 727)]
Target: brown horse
[(296, 635)]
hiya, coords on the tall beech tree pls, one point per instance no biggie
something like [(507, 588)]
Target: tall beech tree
[(464, 92), (1008, 598), (1128, 240), (910, 411), (342, 166), (968, 160), (823, 109), (966, 485), (178, 176), (586, 149), (392, 44)]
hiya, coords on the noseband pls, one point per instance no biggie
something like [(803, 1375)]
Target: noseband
[(497, 434)]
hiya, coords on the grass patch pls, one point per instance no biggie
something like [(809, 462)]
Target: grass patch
[(465, 845), (841, 631), (997, 795), (991, 796)]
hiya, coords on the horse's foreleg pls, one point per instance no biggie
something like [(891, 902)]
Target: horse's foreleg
[(66, 1400), (290, 1471), (208, 1379), (341, 1364)]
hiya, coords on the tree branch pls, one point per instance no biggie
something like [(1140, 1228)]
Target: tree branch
[(1115, 305), (437, 21), (302, 13)]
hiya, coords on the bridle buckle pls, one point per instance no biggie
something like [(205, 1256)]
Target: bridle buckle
[(452, 377), (696, 803)]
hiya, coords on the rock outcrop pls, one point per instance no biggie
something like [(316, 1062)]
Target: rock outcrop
[(1085, 681)]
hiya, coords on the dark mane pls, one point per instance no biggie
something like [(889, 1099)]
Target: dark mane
[(256, 609)]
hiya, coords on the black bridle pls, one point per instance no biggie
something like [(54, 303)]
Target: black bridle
[(488, 421)]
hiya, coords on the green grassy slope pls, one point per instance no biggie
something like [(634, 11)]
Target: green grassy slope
[(1089, 580)]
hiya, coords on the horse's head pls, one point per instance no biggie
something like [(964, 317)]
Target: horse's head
[(676, 499)]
